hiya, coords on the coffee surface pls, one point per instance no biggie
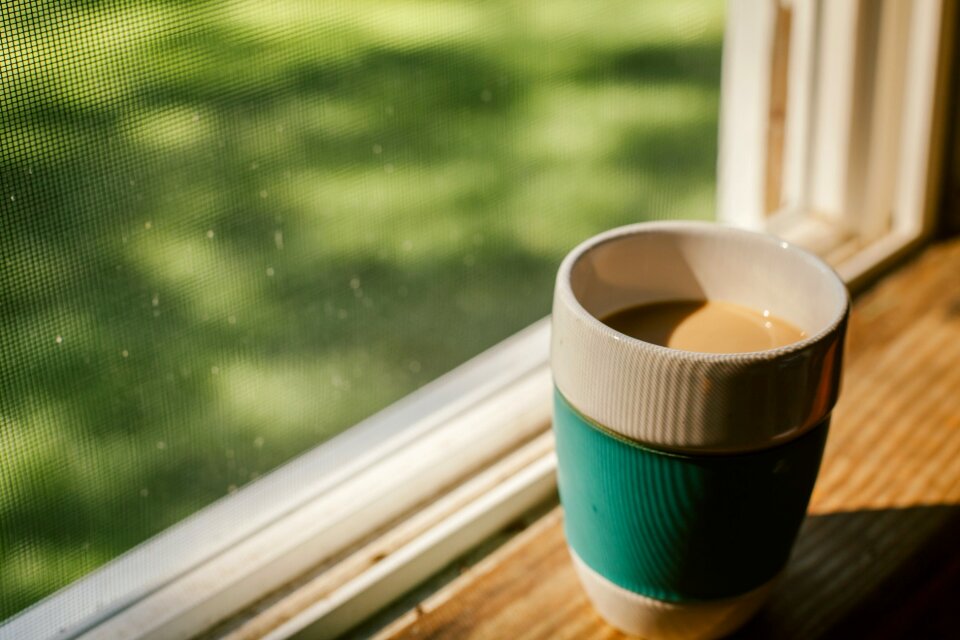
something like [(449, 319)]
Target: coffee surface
[(712, 326)]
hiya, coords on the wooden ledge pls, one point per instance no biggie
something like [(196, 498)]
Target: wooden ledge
[(877, 557)]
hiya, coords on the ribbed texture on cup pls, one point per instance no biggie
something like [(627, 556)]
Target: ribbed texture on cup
[(689, 401), (677, 527)]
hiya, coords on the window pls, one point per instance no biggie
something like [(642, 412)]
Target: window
[(421, 167), (231, 230), (832, 126)]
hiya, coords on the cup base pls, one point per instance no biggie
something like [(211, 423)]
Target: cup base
[(653, 619)]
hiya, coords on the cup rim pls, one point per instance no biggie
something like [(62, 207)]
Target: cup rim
[(693, 227)]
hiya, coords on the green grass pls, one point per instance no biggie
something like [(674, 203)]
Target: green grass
[(231, 230)]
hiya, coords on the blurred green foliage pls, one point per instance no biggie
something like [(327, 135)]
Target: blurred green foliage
[(230, 230)]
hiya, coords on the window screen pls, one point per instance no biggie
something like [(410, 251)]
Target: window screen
[(231, 230)]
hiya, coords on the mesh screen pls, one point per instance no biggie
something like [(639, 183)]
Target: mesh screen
[(231, 230)]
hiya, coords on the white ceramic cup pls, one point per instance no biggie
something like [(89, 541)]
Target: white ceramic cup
[(685, 476)]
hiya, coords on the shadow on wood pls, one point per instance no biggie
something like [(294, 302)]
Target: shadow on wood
[(886, 573)]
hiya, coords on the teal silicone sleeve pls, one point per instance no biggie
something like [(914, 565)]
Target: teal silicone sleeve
[(677, 527)]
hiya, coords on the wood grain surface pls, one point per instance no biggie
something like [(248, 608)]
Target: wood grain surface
[(879, 554)]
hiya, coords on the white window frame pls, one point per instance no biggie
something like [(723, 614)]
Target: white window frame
[(328, 539), (847, 162)]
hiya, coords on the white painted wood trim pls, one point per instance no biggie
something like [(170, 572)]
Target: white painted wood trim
[(857, 265), (424, 556), (801, 70), (881, 162), (913, 207), (832, 151), (744, 112), (861, 153)]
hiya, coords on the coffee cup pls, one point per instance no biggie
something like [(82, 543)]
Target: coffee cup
[(685, 475)]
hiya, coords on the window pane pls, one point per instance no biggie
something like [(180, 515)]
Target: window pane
[(231, 230)]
